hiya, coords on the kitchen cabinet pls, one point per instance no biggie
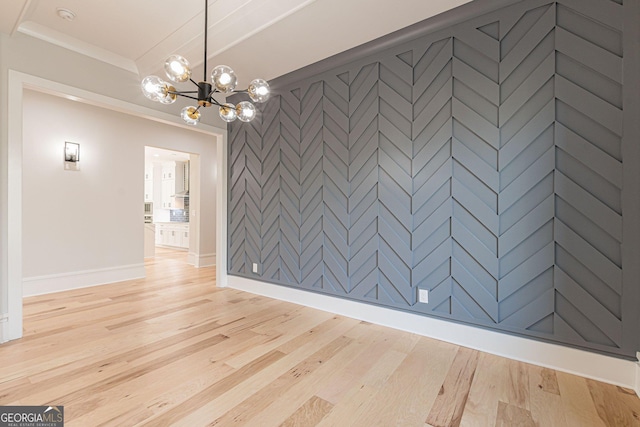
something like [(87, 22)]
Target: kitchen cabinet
[(174, 180), (168, 186), (168, 170), (148, 183), (172, 234)]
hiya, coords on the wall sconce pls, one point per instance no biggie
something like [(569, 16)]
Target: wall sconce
[(71, 156)]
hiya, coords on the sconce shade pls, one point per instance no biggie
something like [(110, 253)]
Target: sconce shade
[(71, 152)]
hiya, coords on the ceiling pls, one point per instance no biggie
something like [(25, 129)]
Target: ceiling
[(154, 154), (258, 38)]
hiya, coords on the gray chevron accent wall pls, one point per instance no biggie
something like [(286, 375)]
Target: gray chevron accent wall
[(483, 161)]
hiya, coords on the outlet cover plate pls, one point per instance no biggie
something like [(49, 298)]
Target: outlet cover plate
[(423, 296)]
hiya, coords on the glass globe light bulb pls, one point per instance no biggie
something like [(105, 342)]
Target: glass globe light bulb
[(228, 112), (259, 90), (167, 97), (246, 111), (153, 87), (177, 69), (224, 79), (190, 115)]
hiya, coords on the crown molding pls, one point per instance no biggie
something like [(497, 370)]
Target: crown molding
[(59, 39)]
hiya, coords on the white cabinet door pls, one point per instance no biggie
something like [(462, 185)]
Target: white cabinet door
[(173, 236), (148, 183), (176, 235), (160, 234), (168, 184), (184, 234), (174, 180), (168, 188), (148, 190), (168, 239), (168, 170)]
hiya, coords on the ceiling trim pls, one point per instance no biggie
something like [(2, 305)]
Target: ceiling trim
[(430, 25), (23, 13), (28, 81), (225, 32), (60, 39), (260, 27)]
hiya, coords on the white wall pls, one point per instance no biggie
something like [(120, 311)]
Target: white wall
[(28, 62), (4, 179), (90, 220)]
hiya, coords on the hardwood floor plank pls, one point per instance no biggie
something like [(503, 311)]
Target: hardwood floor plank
[(511, 415), (487, 390), (183, 410), (282, 405), (517, 391), (309, 414), (349, 376), (178, 383), (157, 314), (173, 349), (77, 398), (452, 397), (260, 400), (353, 405), (548, 381), (261, 379), (546, 402), (578, 404), (288, 344), (83, 368), (423, 372), (611, 404)]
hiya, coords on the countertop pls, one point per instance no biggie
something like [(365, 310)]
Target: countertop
[(173, 222)]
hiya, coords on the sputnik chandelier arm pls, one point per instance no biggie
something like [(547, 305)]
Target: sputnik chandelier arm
[(223, 80)]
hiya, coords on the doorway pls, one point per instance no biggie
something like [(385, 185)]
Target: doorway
[(11, 289), (167, 197)]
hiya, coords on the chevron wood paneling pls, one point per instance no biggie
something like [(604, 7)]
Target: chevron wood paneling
[(484, 163), (526, 158), (589, 129), (431, 167)]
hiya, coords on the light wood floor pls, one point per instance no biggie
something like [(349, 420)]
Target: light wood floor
[(175, 350)]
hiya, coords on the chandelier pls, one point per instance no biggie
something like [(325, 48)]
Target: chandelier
[(223, 80)]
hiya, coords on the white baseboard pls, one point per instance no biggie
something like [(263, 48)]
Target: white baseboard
[(80, 279), (596, 366), (4, 324), (176, 248), (637, 384), (205, 260), (191, 258)]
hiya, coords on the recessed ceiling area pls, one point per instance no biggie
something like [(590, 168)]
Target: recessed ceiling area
[(257, 38)]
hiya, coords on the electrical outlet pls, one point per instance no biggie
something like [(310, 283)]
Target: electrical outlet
[(255, 267), (423, 296)]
